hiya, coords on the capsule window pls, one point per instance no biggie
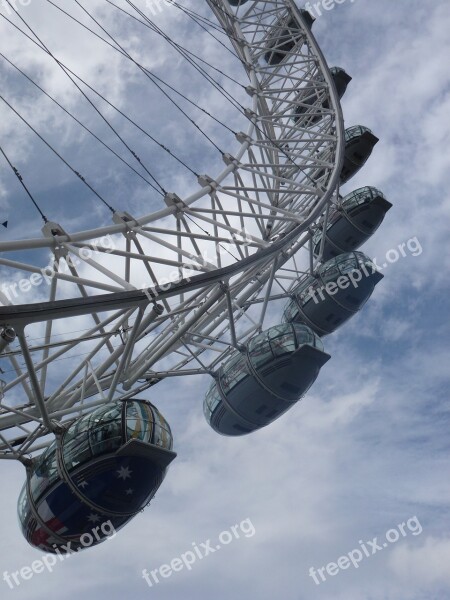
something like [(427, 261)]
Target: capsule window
[(304, 293), (289, 311), (77, 450), (45, 473), (139, 421), (106, 438), (213, 398), (260, 353), (283, 344), (348, 265), (330, 274), (163, 436), (232, 374), (22, 504)]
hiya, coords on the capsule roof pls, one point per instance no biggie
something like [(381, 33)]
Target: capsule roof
[(307, 16), (357, 131), (364, 195), (359, 143), (341, 80), (283, 338), (351, 223), (343, 264)]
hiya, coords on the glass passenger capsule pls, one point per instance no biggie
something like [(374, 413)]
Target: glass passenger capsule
[(284, 36), (359, 143), (337, 291), (237, 2), (310, 95), (258, 385), (106, 468), (352, 223), (341, 80)]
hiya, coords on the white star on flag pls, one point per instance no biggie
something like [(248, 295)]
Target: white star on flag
[(123, 473), (128, 492), (83, 484), (93, 518)]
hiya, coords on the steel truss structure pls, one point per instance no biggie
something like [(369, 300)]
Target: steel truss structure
[(205, 293)]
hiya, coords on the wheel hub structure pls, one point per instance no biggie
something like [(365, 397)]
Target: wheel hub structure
[(172, 293)]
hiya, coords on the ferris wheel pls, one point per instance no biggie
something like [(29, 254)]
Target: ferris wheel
[(219, 280)]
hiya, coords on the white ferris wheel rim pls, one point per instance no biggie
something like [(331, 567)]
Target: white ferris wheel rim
[(26, 314)]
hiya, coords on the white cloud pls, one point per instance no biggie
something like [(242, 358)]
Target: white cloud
[(426, 565)]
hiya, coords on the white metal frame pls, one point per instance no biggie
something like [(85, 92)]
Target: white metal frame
[(256, 216)]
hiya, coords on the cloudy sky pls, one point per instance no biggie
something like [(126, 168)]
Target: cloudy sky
[(367, 449)]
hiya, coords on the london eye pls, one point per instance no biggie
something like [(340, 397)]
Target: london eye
[(246, 257)]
